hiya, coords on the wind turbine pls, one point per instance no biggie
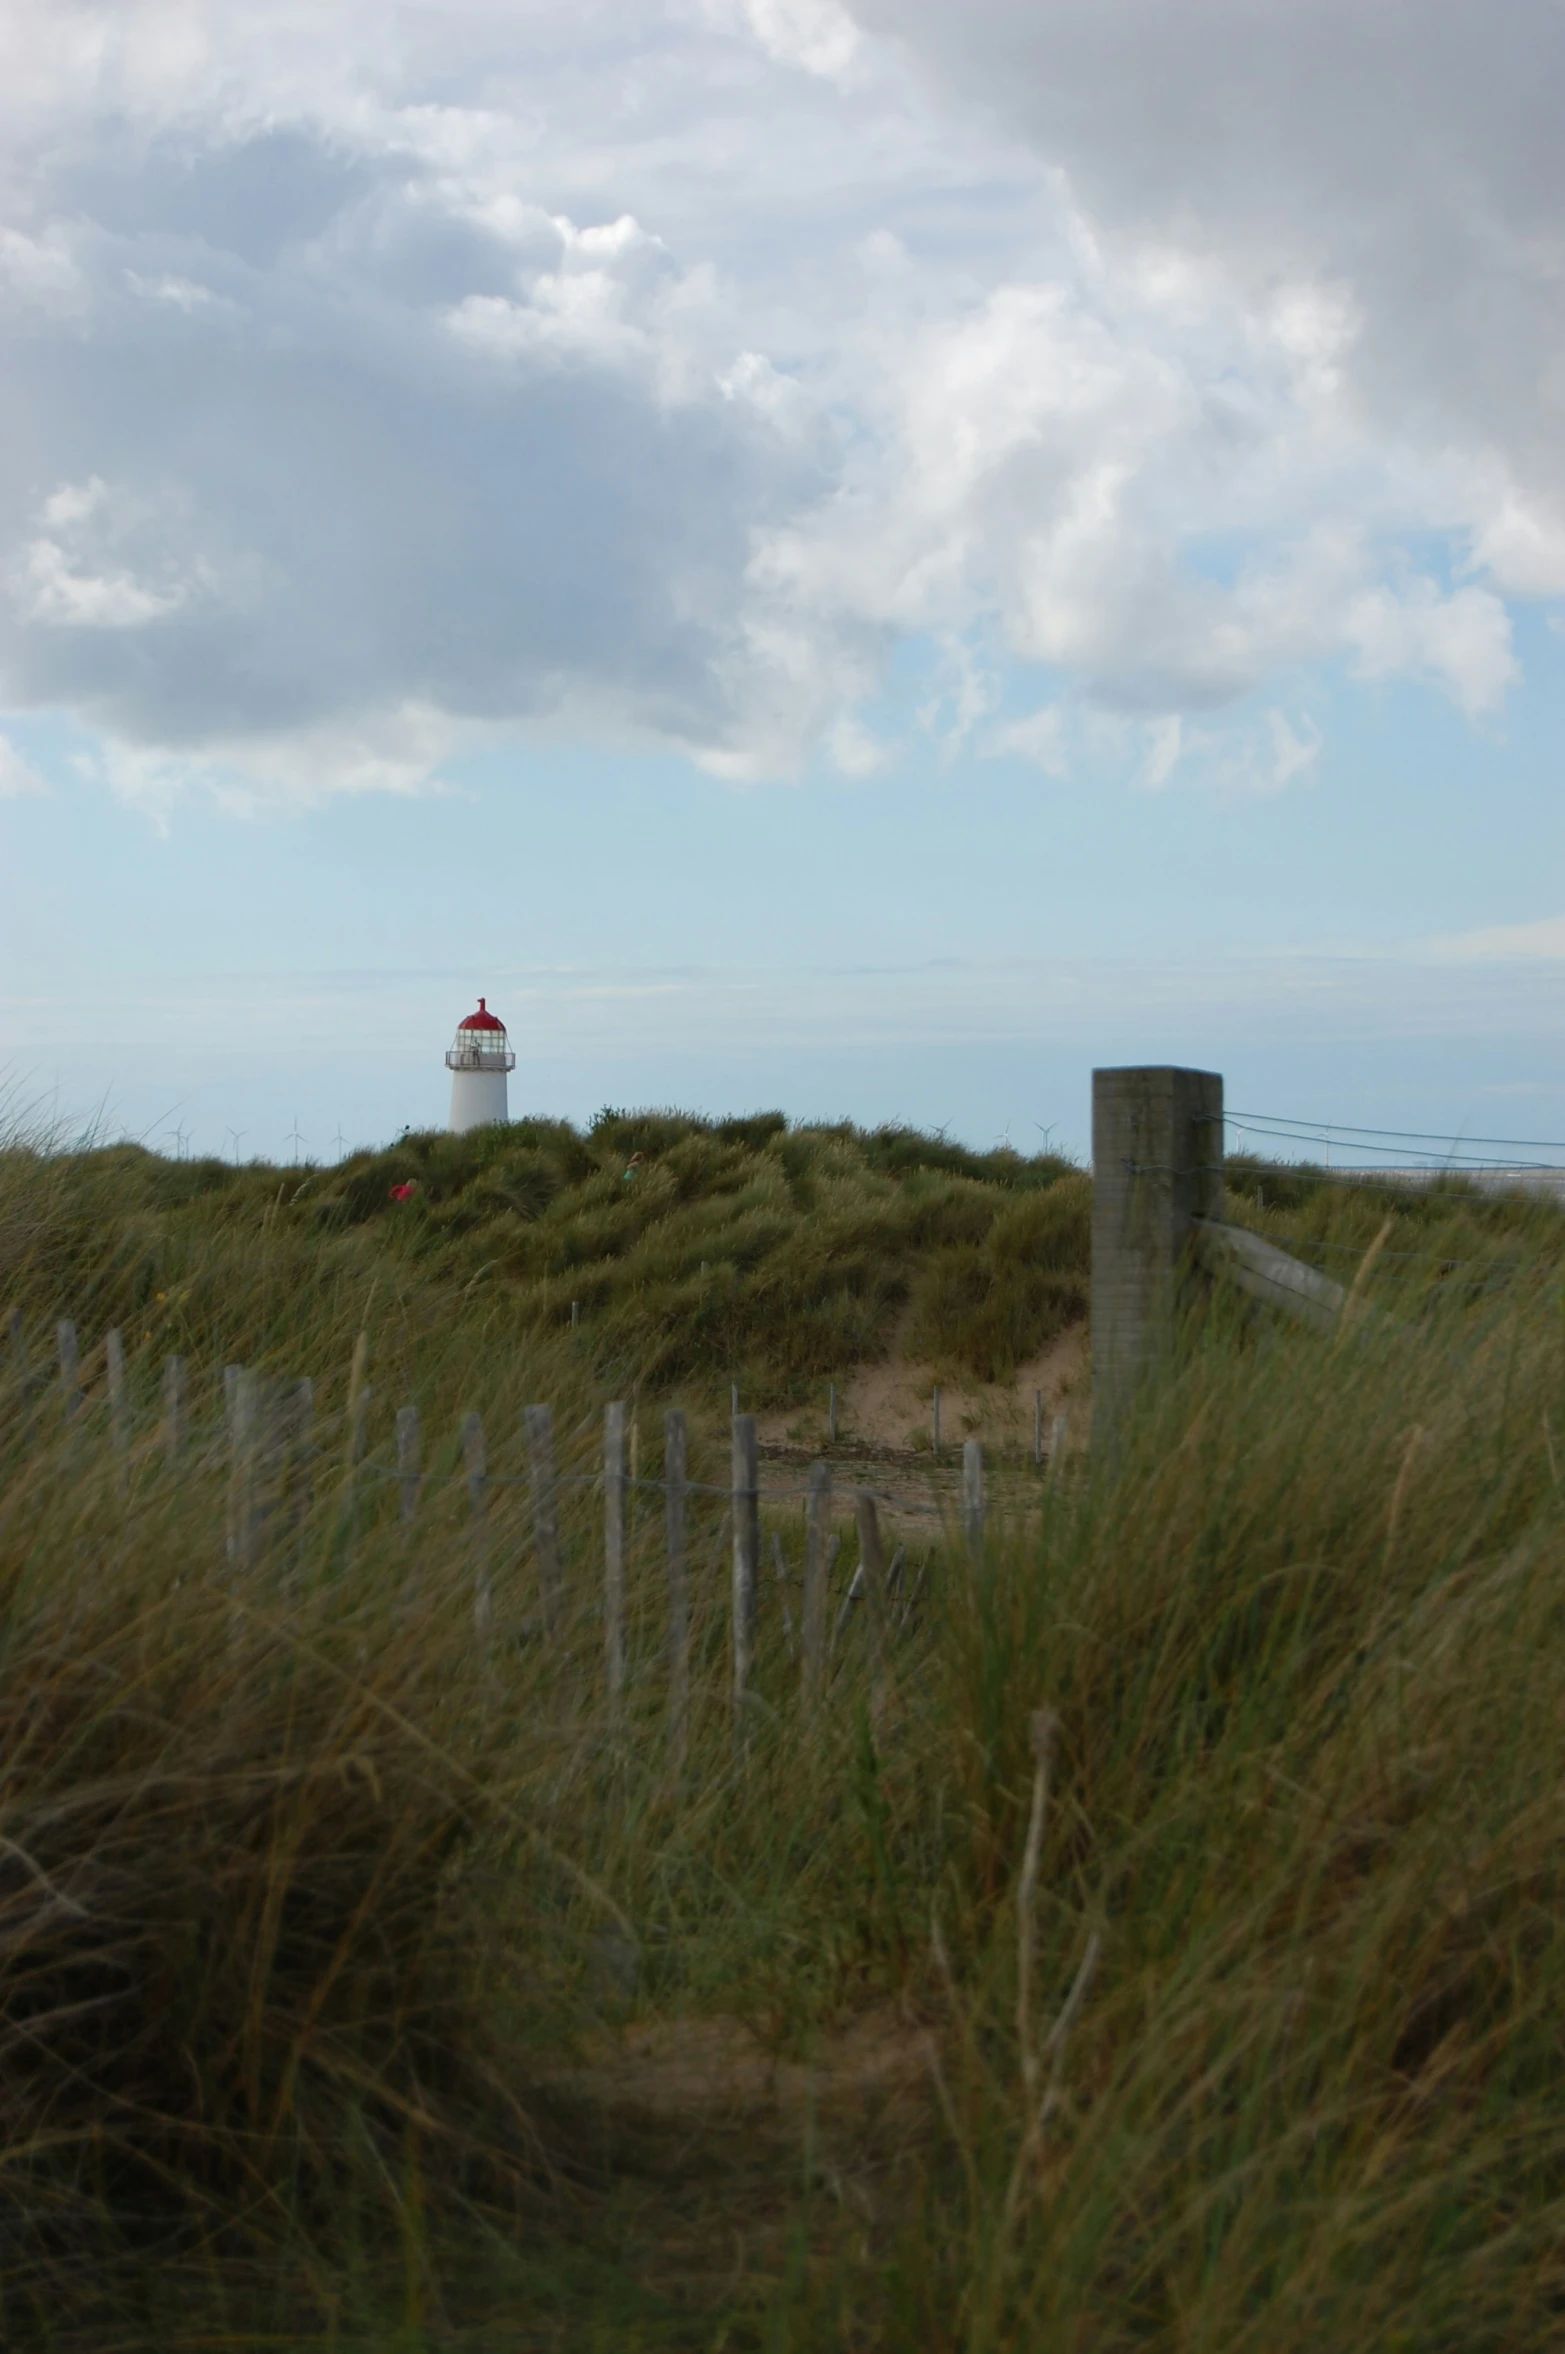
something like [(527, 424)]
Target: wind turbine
[(294, 1138), (339, 1142), (238, 1135)]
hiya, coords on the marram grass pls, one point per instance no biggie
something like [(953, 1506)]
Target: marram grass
[(324, 1911)]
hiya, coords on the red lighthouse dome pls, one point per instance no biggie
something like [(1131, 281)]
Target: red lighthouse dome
[(482, 1020)]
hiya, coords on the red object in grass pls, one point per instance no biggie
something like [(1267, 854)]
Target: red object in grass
[(405, 1193)]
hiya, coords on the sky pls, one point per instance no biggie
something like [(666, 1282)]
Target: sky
[(855, 555)]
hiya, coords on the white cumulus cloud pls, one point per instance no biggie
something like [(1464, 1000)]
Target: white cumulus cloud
[(660, 371), (19, 779)]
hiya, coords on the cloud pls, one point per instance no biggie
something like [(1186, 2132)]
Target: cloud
[(58, 585), (1543, 941), (1039, 738), (1295, 749), (1462, 641), (183, 293), (39, 271), (506, 508), (1049, 464), (399, 749), (1245, 756), (1163, 752), (817, 35), (18, 777), (854, 751), (1403, 159), (657, 372)]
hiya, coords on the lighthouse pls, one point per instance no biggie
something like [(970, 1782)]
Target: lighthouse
[(478, 1059)]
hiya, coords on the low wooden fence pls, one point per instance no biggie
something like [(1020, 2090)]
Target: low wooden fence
[(274, 1453)]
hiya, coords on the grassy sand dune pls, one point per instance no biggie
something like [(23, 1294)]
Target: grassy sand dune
[(1154, 1938), (691, 1252)]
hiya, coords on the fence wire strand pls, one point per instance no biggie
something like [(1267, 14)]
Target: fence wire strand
[(691, 1487), (1327, 1128), (1420, 1151)]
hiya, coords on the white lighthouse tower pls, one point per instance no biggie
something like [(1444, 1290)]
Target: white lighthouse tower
[(478, 1059)]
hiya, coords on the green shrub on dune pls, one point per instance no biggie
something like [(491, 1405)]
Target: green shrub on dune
[(692, 1250)]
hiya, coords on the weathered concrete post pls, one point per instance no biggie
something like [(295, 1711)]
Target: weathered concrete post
[(1157, 1154)]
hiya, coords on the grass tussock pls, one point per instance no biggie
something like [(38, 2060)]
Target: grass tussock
[(1201, 1835), (1302, 1652), (249, 1848)]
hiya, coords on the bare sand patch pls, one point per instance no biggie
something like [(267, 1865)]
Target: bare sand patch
[(717, 2071), (886, 1405)]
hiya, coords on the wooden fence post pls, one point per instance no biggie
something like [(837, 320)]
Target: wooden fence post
[(476, 1461), (407, 1459), (539, 1422), (872, 1569), (70, 1368), (678, 1597), (357, 1431), (973, 1497), (119, 1413), (614, 1493), (243, 1435), (173, 1409), (297, 1438), (273, 1428), (360, 1397), (747, 1548), (781, 1572), (1157, 1151), (817, 1536), (21, 1375)]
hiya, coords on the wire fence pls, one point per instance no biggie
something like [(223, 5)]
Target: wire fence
[(771, 1492), (1423, 1156), (1176, 1173), (1355, 1250), (1399, 1151)]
